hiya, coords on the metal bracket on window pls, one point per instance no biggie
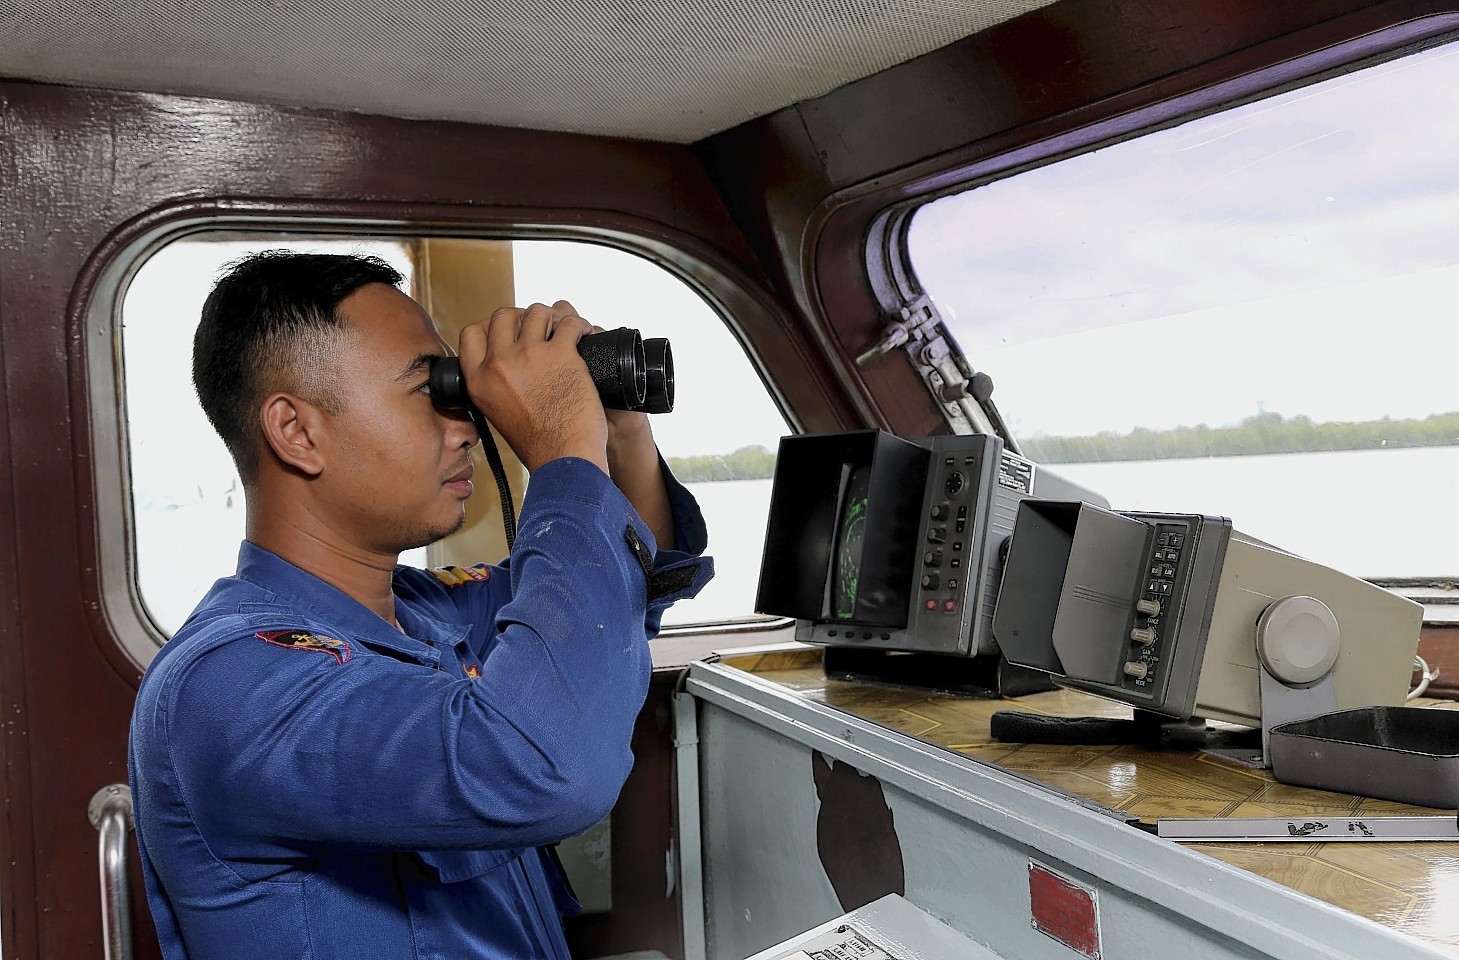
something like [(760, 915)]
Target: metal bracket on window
[(965, 396)]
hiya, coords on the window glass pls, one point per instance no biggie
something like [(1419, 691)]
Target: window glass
[(187, 504), (1248, 315)]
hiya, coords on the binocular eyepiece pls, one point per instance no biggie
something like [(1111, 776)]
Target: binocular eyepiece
[(631, 373)]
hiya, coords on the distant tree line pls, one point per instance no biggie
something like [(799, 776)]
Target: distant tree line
[(1264, 433), (746, 463)]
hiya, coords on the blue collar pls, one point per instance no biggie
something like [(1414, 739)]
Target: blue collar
[(421, 637)]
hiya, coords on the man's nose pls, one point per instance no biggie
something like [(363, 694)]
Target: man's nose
[(461, 432)]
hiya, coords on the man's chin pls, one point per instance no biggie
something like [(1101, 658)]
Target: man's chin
[(434, 535)]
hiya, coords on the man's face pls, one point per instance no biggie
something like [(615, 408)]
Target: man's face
[(398, 470)]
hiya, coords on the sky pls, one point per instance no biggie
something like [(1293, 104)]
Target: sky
[(1298, 255)]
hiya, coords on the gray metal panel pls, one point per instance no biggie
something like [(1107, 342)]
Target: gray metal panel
[(758, 829), (967, 831)]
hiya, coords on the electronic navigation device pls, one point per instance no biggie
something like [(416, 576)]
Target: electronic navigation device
[(1181, 615), (881, 542)]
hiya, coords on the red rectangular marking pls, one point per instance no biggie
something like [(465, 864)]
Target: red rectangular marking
[(1064, 909)]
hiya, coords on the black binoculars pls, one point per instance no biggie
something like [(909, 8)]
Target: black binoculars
[(631, 373)]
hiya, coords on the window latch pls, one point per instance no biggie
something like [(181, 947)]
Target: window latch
[(966, 396), (915, 322)]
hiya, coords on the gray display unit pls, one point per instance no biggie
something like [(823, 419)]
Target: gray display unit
[(1181, 615), (880, 542)]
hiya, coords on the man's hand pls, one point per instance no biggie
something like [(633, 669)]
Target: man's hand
[(524, 374)]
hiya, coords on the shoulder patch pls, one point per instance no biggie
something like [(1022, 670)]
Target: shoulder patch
[(299, 640), (454, 576)]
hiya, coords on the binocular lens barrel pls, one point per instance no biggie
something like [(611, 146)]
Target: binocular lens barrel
[(630, 373), (660, 361), (616, 363)]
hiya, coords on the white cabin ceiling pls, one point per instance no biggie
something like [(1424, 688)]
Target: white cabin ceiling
[(676, 70)]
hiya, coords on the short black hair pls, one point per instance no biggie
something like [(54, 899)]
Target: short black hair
[(268, 325)]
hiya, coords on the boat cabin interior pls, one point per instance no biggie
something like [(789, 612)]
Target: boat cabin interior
[(1034, 363)]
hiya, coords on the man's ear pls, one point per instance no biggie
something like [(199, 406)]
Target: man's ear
[(293, 428)]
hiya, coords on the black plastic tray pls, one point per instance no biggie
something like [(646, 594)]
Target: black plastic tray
[(1407, 754)]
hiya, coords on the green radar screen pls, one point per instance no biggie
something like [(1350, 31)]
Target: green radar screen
[(850, 538)]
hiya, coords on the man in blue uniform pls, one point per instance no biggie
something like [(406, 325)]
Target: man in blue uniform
[(337, 756)]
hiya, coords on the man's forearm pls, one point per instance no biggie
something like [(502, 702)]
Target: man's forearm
[(634, 467)]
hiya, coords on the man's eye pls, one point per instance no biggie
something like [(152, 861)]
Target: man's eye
[(424, 387)]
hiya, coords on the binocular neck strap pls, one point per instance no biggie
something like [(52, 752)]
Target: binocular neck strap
[(499, 474)]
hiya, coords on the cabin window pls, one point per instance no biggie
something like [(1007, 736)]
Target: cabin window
[(187, 511), (1249, 315)]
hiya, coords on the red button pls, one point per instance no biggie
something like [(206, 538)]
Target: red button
[(949, 605), (931, 604)]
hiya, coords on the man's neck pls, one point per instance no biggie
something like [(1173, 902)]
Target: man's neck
[(360, 574)]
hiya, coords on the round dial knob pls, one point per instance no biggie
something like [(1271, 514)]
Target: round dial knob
[(1136, 669), (1298, 639)]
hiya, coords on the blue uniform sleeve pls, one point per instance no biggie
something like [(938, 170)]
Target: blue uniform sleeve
[(282, 749), (673, 574)]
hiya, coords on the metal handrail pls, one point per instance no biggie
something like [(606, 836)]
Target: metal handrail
[(110, 811)]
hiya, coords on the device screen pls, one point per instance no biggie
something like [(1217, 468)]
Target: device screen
[(850, 539)]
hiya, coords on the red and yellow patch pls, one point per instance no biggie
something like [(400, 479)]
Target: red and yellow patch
[(473, 670), (299, 640), (454, 576)]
